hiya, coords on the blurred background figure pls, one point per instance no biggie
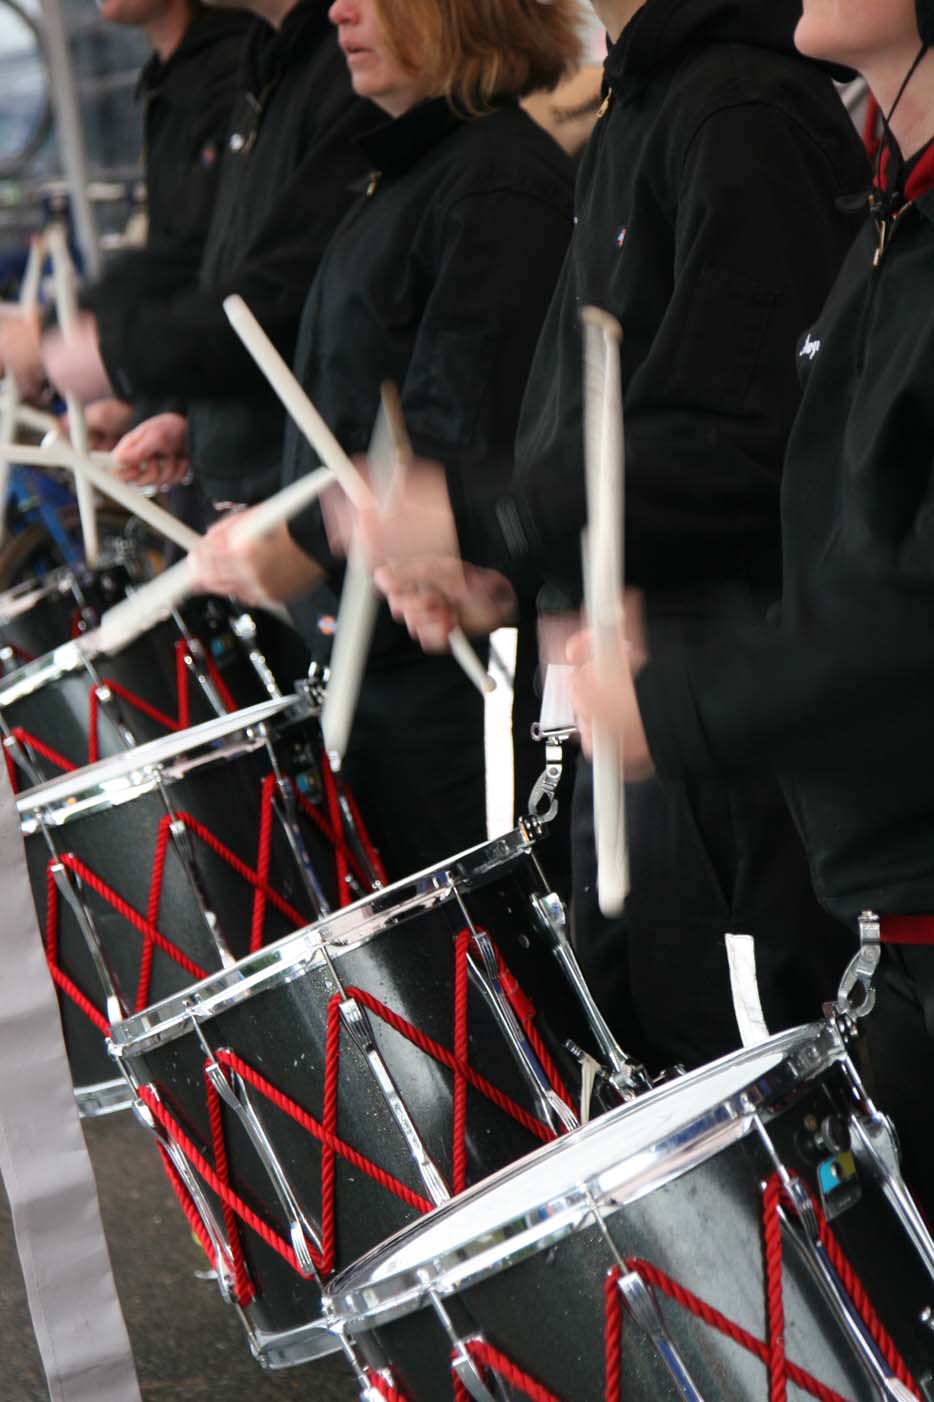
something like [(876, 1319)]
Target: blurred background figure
[(186, 93)]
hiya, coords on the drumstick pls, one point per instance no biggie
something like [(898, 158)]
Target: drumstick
[(91, 468), (461, 649), (356, 618), (133, 615), (10, 407), (66, 306), (603, 575), (313, 427)]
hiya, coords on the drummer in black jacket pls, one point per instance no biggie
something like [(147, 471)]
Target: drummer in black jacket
[(837, 698), (187, 90), (438, 279), (708, 223), (285, 182)]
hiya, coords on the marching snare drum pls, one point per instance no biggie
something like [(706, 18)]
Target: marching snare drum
[(740, 1233), (332, 1088), (153, 869), (73, 705)]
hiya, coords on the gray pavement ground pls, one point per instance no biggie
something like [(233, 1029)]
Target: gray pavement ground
[(189, 1346)]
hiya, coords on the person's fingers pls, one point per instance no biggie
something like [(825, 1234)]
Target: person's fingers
[(579, 648)]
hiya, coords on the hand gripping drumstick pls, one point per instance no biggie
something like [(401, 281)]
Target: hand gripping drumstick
[(66, 306), (603, 575), (11, 411), (313, 427), (99, 471), (132, 616), (461, 650)]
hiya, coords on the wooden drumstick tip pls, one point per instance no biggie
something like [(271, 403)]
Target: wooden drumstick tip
[(599, 320)]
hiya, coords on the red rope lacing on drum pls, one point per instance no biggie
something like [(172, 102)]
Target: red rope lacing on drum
[(772, 1353), (153, 938), (324, 1131), (387, 1390)]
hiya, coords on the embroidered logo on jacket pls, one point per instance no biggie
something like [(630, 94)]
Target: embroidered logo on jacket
[(810, 348), (621, 235)]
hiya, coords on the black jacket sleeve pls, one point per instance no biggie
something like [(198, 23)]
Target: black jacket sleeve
[(183, 343)]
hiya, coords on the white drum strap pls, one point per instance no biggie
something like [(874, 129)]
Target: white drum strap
[(79, 1325), (744, 981)]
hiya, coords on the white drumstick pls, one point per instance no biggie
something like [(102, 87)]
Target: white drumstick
[(135, 614), (321, 438), (66, 306), (10, 408), (92, 469), (359, 609), (604, 574), (296, 401)]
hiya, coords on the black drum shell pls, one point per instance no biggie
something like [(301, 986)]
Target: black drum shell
[(58, 712), (280, 1032), (546, 1313), (118, 844), (73, 600)]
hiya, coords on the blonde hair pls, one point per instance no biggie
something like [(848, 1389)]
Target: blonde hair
[(476, 52)]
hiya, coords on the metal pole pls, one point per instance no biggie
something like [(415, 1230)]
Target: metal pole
[(69, 131)]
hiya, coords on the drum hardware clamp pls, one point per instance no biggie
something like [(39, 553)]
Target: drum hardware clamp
[(185, 849), (116, 1010), (627, 1076), (860, 973), (358, 1027), (543, 803), (643, 1309), (234, 1095), (367, 1381), (551, 1106), (462, 1363), (244, 628), (287, 813), (223, 1256), (806, 1237)]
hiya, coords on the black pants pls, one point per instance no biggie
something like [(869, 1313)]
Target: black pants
[(705, 860), (416, 762)]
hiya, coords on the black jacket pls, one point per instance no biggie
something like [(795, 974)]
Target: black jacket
[(707, 223), (838, 698), (438, 279), (187, 103), (285, 183)]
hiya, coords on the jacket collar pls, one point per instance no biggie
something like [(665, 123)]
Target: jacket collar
[(662, 30), (901, 182), (396, 145), (270, 52), (207, 27)]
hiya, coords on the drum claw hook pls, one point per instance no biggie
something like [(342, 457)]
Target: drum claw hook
[(861, 971)]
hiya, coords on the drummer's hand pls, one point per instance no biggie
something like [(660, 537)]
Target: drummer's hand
[(155, 453), (271, 569), (432, 596), (107, 421), (74, 365), (418, 523), (21, 353), (609, 704)]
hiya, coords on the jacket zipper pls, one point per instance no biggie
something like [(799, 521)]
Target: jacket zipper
[(886, 229)]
